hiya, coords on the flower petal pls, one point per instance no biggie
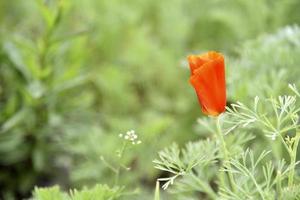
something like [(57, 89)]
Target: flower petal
[(209, 83)]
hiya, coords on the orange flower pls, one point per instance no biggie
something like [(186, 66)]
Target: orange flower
[(208, 79)]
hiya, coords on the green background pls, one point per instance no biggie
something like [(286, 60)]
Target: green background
[(76, 74)]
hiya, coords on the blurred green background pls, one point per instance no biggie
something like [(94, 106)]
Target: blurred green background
[(75, 74)]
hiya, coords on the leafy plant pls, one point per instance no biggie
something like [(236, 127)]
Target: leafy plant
[(100, 192), (251, 174), (265, 65), (34, 86)]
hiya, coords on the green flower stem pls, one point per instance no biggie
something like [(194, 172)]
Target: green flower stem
[(120, 155), (225, 154), (293, 155)]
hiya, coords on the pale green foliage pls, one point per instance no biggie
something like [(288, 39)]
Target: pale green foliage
[(258, 173), (99, 192), (291, 193), (250, 182), (283, 118), (181, 162), (265, 65), (195, 165)]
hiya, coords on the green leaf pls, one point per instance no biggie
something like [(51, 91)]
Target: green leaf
[(13, 120), (16, 58)]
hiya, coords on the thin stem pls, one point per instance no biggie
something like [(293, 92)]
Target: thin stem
[(108, 165), (284, 143), (278, 185), (206, 187), (258, 187), (120, 155), (225, 154), (293, 155)]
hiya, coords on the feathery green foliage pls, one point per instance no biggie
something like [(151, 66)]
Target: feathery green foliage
[(258, 173), (264, 167), (99, 192), (265, 65)]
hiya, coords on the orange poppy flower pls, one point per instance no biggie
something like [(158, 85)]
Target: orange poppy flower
[(208, 79)]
